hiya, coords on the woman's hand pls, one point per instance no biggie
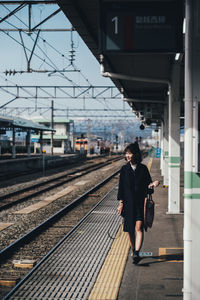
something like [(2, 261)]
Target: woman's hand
[(154, 184), (120, 207)]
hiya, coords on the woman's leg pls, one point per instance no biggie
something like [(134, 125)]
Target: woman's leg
[(139, 235), (132, 240)]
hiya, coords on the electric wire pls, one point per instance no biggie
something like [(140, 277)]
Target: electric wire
[(63, 56), (43, 61)]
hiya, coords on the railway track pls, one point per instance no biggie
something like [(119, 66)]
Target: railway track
[(8, 200), (48, 168), (17, 177), (40, 240)]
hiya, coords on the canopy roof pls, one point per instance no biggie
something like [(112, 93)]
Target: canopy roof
[(142, 77), (17, 122)]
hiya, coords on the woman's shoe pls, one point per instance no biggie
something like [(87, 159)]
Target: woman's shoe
[(136, 257)]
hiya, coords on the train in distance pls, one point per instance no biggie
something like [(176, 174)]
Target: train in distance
[(92, 145)]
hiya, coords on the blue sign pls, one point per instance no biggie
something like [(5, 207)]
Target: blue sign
[(35, 140), (158, 152)]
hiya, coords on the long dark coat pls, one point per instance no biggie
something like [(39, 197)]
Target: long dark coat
[(133, 188)]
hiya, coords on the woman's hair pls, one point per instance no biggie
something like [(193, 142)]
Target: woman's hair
[(135, 150)]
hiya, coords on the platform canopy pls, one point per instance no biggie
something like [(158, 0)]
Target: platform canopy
[(8, 122), (138, 41)]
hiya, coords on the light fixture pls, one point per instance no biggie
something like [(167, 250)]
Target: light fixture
[(177, 56)]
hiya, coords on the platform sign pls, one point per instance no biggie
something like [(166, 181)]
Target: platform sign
[(158, 152), (141, 26), (34, 140)]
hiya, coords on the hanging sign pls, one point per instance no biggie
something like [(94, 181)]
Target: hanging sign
[(141, 26)]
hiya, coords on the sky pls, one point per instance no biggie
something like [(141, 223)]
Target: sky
[(52, 50)]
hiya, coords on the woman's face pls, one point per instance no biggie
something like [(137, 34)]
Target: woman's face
[(128, 156)]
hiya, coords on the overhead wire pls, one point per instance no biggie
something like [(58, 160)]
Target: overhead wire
[(54, 66), (45, 41)]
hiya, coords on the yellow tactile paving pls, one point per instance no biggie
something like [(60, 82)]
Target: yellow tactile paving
[(163, 252), (5, 225), (45, 202), (150, 164), (108, 282), (109, 279)]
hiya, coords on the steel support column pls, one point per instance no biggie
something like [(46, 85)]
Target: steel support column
[(165, 146), (191, 179), (174, 142)]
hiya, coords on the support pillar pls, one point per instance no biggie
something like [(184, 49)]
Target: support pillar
[(191, 288), (174, 142), (165, 147)]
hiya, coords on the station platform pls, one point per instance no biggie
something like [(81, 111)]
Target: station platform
[(36, 162), (94, 260)]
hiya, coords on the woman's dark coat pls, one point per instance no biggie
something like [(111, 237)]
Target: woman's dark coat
[(133, 188)]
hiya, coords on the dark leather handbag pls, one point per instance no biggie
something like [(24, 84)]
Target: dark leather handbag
[(149, 217)]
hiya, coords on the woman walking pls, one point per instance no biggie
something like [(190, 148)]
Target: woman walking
[(134, 184)]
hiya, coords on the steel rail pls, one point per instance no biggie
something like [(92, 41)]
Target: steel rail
[(9, 250), (52, 250), (45, 189)]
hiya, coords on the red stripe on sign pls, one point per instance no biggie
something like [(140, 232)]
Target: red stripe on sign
[(128, 32)]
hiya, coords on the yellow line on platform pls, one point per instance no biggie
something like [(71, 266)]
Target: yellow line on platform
[(110, 276), (150, 164), (108, 282), (162, 252)]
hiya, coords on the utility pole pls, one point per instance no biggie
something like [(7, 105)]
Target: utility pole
[(112, 133), (89, 127), (52, 125)]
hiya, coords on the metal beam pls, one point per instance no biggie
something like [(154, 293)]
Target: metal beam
[(17, 108), (46, 19), (29, 28), (62, 92), (72, 112), (36, 29), (12, 12)]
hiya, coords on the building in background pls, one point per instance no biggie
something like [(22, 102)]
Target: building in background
[(63, 136), (15, 135)]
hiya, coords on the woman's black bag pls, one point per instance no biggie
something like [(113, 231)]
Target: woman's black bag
[(149, 215)]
